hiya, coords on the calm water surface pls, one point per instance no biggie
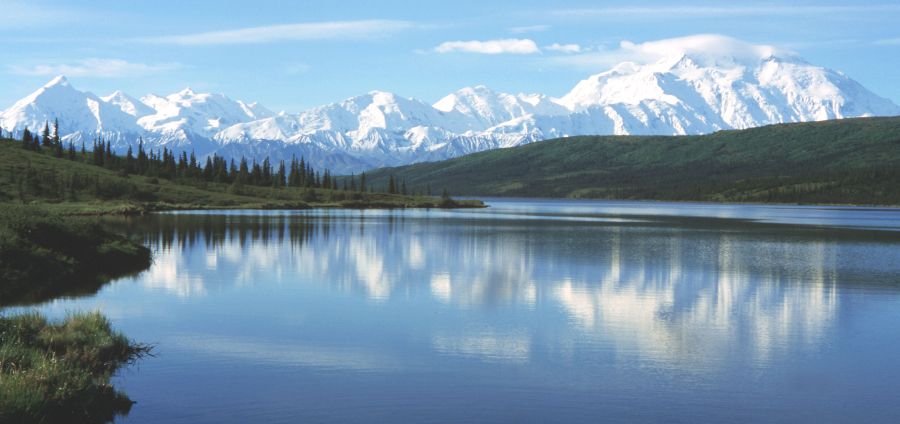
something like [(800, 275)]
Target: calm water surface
[(529, 311)]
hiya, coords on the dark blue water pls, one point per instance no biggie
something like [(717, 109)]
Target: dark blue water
[(529, 311)]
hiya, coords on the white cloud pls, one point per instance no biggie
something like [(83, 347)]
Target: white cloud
[(529, 28), (719, 11), (889, 42), (290, 32), (94, 67), (505, 46), (702, 45), (564, 48), (297, 68), (25, 14)]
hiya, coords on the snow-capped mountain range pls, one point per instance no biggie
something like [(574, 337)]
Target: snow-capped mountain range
[(685, 92)]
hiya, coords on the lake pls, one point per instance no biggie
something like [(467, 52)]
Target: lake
[(528, 311)]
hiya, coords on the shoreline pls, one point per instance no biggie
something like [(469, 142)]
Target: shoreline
[(699, 202), (91, 209)]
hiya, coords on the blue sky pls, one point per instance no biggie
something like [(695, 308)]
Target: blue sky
[(293, 55)]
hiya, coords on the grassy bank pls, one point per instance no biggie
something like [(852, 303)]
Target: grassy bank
[(848, 161), (78, 187), (59, 372), (45, 255)]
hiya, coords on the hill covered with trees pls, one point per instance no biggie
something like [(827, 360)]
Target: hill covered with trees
[(40, 169), (849, 161)]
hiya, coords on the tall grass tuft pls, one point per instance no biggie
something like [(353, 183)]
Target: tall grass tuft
[(59, 372)]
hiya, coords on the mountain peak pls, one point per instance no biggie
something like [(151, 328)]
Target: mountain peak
[(59, 80), (128, 104), (691, 85), (118, 94)]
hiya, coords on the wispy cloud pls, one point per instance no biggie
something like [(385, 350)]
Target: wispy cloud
[(719, 11), (529, 28), (361, 29), (504, 46), (94, 67), (564, 48), (889, 42), (297, 68), (25, 14), (652, 51)]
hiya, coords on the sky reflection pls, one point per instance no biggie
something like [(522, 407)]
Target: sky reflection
[(678, 296), (549, 311)]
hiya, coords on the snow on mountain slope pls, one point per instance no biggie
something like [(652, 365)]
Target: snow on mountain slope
[(81, 115), (690, 85), (702, 87), (128, 104), (483, 108), (202, 114)]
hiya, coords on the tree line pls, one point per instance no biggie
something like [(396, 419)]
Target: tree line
[(168, 164)]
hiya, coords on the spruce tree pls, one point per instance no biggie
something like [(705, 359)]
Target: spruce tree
[(45, 135), (129, 160), (280, 177), (57, 148), (244, 171), (56, 131), (26, 139)]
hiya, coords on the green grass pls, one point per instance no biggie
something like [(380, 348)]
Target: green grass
[(76, 187), (44, 255), (59, 372), (851, 161)]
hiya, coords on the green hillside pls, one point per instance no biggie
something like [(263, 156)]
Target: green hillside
[(851, 161), (73, 184)]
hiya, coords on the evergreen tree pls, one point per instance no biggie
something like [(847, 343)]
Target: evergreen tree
[(57, 148), (303, 173), (45, 135), (141, 161), (55, 131), (294, 174), (209, 171), (193, 166), (280, 176), (108, 155), (26, 139), (392, 187), (244, 171), (233, 170), (265, 177), (129, 161)]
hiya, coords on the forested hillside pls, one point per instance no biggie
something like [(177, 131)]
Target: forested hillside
[(850, 161)]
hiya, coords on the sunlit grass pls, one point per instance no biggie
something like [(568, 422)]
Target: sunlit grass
[(60, 371)]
